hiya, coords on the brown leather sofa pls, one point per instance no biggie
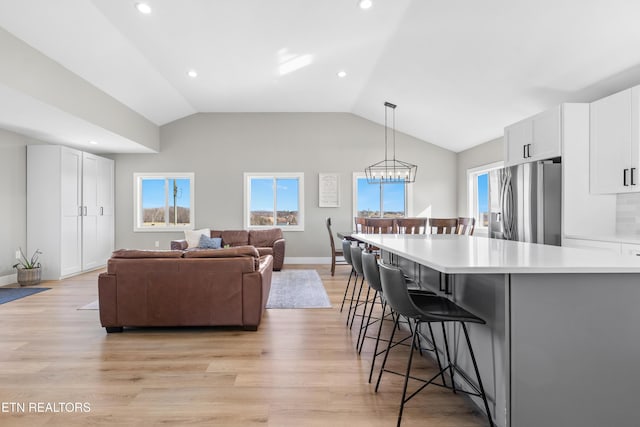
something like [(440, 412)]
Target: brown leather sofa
[(267, 242), (210, 287)]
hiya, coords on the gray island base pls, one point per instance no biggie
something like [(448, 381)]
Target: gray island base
[(561, 346)]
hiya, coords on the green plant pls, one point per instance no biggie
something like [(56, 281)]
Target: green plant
[(28, 263)]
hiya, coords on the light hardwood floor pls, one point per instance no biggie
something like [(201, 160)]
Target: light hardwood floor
[(299, 369)]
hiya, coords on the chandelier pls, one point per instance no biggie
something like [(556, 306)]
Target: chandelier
[(390, 171)]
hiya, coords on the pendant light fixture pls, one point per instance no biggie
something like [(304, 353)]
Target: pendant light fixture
[(390, 171)]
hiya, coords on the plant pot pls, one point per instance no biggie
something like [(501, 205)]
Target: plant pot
[(29, 276)]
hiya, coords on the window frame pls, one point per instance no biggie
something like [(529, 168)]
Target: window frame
[(138, 177), (408, 197), (472, 193), (274, 175)]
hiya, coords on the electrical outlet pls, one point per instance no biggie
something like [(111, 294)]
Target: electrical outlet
[(157, 243), (18, 254)]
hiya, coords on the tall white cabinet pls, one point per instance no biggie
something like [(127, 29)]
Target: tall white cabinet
[(70, 200)]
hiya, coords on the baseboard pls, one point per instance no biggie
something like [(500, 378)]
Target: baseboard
[(307, 260), (9, 279)]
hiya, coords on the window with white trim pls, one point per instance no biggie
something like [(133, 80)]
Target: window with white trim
[(274, 200), (478, 195), (163, 201), (390, 200)]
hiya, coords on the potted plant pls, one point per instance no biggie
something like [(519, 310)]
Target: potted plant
[(29, 271)]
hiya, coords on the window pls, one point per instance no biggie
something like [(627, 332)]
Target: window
[(478, 194), (274, 200), (163, 201), (379, 200)]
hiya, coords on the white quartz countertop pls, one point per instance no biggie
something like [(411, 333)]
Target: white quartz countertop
[(633, 239), (472, 254)]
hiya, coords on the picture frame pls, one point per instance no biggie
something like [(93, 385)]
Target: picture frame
[(329, 190)]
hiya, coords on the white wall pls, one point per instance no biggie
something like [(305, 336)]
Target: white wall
[(220, 147), (13, 201), (480, 155)]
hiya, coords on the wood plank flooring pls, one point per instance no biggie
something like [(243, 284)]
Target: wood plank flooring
[(299, 369)]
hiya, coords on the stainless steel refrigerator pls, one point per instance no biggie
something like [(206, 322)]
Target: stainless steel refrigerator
[(525, 202)]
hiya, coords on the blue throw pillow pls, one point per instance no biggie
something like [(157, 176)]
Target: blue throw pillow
[(210, 242)]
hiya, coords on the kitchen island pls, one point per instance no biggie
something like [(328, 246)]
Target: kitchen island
[(561, 346)]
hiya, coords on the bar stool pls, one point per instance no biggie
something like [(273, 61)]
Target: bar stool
[(356, 262), (372, 276), (346, 253), (427, 309)]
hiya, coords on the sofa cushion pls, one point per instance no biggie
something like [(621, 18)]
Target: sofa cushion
[(264, 238), (193, 236), (265, 251), (138, 253), (235, 237), (224, 252), (210, 242)]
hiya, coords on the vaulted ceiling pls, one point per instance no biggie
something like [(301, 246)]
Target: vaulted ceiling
[(459, 70)]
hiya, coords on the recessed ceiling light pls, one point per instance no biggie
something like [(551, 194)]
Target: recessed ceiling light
[(365, 4), (92, 142), (143, 8), (193, 74), (342, 74)]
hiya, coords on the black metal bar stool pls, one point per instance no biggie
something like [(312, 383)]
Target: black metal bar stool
[(346, 252), (372, 276), (427, 309)]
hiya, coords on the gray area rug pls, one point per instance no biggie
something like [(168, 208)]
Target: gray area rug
[(297, 289)]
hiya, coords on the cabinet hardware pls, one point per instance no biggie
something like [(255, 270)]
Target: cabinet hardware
[(624, 177), (524, 151), (79, 210), (85, 211), (631, 174), (101, 211), (528, 151)]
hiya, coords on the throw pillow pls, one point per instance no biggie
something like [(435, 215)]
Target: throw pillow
[(210, 242), (193, 236)]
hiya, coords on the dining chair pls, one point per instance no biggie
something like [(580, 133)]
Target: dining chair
[(379, 225), (466, 226), (360, 224), (411, 225), (442, 225), (335, 253)]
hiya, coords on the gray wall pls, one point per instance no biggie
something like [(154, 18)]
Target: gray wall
[(13, 202), (220, 147), (480, 155)]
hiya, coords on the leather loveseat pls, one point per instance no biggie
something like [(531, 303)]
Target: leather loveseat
[(211, 287), (267, 242)]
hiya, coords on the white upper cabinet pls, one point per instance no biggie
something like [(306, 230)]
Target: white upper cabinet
[(535, 138), (614, 143)]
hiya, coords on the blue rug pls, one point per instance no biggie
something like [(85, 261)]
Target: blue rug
[(10, 294)]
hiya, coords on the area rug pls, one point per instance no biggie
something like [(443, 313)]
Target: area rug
[(12, 294), (93, 305), (297, 289)]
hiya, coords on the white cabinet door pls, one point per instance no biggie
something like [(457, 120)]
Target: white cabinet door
[(518, 138), (610, 146), (546, 138), (89, 211), (105, 226), (71, 199), (536, 138)]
